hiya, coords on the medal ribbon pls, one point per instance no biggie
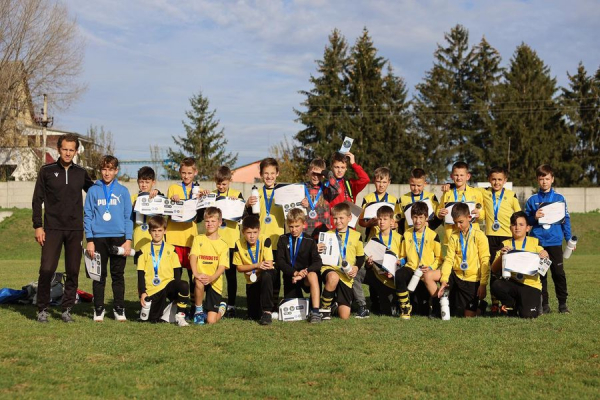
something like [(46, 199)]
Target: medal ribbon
[(550, 193), (523, 246), (253, 257), (342, 249), (310, 201), (185, 196), (155, 260), (269, 202), (389, 239), (385, 198), (456, 196), (417, 247), (108, 194), (412, 196), (464, 244), (294, 254), (497, 205)]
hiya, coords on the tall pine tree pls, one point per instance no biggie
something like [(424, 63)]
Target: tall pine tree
[(204, 141), (531, 130)]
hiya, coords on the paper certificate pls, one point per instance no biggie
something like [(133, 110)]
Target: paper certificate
[(346, 145), (554, 213), (408, 211), (288, 207), (381, 256), (181, 211), (231, 208), (448, 219), (331, 254), (521, 262), (371, 209), (289, 194), (93, 266), (356, 211), (150, 206), (207, 201)]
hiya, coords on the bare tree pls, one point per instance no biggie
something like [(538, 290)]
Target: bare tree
[(41, 51), (103, 144), (291, 168)]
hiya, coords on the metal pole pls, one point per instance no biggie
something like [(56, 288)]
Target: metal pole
[(44, 124)]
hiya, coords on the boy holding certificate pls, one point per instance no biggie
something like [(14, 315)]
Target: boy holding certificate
[(461, 193), (299, 260), (521, 292), (318, 196), (107, 223), (550, 235), (466, 268), (141, 235), (349, 188), (209, 258), (421, 249), (159, 275), (417, 182), (381, 281), (253, 257), (271, 215), (338, 278)]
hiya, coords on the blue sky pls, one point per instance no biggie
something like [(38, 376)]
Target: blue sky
[(146, 58)]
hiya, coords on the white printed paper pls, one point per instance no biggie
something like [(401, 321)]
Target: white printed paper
[(545, 264), (331, 254), (150, 206), (521, 262), (381, 256), (231, 208), (356, 211), (448, 219), (408, 211), (346, 145), (288, 207), (554, 213), (371, 209), (181, 211), (206, 201), (93, 266), (289, 194)]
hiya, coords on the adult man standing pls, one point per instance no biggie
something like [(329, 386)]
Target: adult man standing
[(59, 187)]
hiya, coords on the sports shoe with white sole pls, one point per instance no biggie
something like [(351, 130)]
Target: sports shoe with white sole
[(42, 316), (66, 316), (99, 314), (119, 313), (363, 312), (222, 308), (325, 313), (180, 319)]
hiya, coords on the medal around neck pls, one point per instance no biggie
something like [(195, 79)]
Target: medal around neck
[(156, 281), (546, 226), (312, 214), (496, 226), (464, 266), (144, 227), (106, 216), (268, 219), (253, 277)]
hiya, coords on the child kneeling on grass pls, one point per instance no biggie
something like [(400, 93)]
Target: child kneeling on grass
[(253, 256), (352, 256), (521, 293), (299, 259), (159, 275)]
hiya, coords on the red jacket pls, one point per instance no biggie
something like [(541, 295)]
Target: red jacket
[(356, 186)]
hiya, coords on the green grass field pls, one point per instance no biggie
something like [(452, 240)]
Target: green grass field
[(555, 356)]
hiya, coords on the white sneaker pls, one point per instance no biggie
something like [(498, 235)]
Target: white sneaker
[(119, 313), (180, 319), (99, 314)]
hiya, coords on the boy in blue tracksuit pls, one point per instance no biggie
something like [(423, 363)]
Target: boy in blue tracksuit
[(107, 224), (550, 236)]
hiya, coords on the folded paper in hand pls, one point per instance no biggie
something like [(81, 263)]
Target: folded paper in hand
[(554, 213), (93, 266), (521, 262), (408, 211), (331, 254), (371, 209), (448, 219)]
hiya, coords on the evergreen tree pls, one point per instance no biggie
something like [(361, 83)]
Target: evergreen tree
[(204, 141), (531, 130), (581, 106)]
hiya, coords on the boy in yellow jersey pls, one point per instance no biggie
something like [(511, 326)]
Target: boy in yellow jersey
[(253, 257), (271, 215), (499, 204), (299, 260), (520, 293), (141, 236), (466, 268), (209, 258), (230, 232), (380, 281), (338, 278), (461, 193), (159, 274), (382, 182), (421, 249), (417, 182), (181, 234)]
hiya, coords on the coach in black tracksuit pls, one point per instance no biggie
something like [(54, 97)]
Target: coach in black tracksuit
[(59, 187)]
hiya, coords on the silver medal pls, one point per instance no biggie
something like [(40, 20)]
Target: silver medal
[(144, 227), (156, 281), (519, 277), (107, 217), (546, 226), (312, 214), (253, 277), (268, 219), (464, 265), (496, 226)]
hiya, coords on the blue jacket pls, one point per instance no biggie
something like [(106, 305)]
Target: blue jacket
[(120, 223), (553, 236)]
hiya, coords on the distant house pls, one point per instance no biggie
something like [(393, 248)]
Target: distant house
[(249, 173)]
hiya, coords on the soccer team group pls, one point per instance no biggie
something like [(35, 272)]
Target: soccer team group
[(268, 248)]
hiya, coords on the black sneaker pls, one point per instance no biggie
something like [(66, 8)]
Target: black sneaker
[(314, 317), (546, 309), (266, 319), (66, 316), (230, 313), (563, 309), (42, 316), (363, 312)]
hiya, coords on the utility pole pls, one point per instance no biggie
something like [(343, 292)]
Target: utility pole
[(44, 125), (508, 157)]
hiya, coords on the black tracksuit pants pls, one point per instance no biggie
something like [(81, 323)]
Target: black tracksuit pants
[(558, 275), (117, 272)]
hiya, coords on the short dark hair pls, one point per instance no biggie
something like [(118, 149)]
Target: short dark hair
[(460, 165), (317, 162), (418, 173), (544, 170), (269, 162), (157, 221), (338, 157), (146, 173), (497, 170), (250, 222), (385, 211), (460, 210), (108, 161), (223, 173), (68, 137), (420, 208), (188, 162), (516, 216)]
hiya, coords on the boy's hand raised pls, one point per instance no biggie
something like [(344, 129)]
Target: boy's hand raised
[(350, 157)]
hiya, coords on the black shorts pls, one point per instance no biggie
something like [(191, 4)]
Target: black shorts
[(212, 299), (495, 244), (463, 294), (344, 294)]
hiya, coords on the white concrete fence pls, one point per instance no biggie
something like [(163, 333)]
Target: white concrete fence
[(580, 200)]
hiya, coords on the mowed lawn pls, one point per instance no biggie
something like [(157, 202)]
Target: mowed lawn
[(555, 356)]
